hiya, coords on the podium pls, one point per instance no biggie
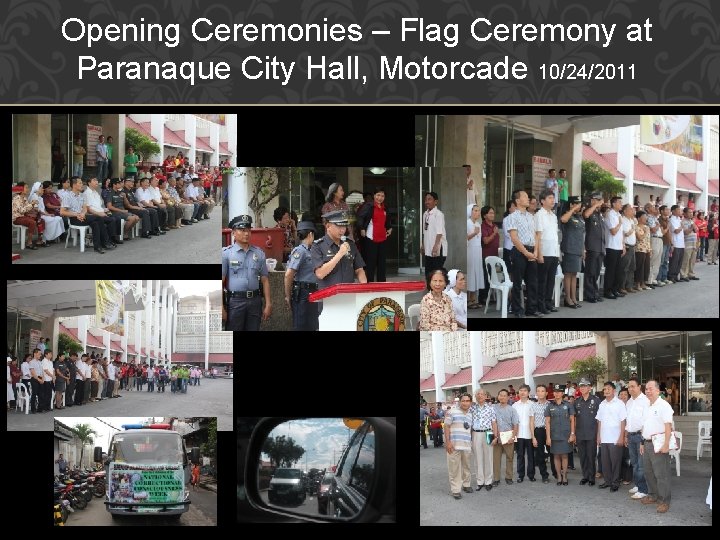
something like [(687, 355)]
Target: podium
[(365, 306)]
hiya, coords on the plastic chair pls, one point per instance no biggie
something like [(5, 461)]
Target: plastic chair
[(704, 437), (23, 398), (22, 232), (676, 453), (413, 313), (81, 229), (497, 285)]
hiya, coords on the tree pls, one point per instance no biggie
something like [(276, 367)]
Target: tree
[(595, 178), (282, 452), (84, 433), (267, 183), (144, 146), (209, 448), (591, 367), (68, 345)]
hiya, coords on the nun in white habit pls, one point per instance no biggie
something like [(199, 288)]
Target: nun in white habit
[(54, 225)]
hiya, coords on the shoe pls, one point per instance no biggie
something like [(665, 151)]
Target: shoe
[(161, 231), (457, 495), (468, 489), (611, 297), (118, 240), (488, 487), (519, 315), (614, 489), (694, 279), (573, 468), (639, 495), (604, 485), (496, 483), (591, 300), (599, 298), (536, 314), (620, 294), (565, 480), (553, 309), (146, 235), (544, 312), (546, 480), (33, 247), (100, 250), (584, 481), (508, 481), (573, 306), (633, 490), (659, 284), (668, 281), (110, 246), (478, 488), (648, 500), (206, 216), (591, 483), (685, 280), (194, 220), (166, 228), (519, 480), (531, 479), (662, 508)]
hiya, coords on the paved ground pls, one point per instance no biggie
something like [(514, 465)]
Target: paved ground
[(200, 242), (202, 511), (212, 398), (695, 299), (538, 504)]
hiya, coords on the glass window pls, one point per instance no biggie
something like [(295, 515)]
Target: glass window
[(364, 468)]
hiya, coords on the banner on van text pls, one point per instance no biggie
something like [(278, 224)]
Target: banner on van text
[(110, 306), (146, 483)]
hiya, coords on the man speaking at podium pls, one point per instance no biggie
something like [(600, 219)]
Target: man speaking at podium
[(335, 257)]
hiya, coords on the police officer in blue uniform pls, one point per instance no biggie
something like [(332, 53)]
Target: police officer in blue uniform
[(300, 280), (586, 409), (244, 273), (335, 258)]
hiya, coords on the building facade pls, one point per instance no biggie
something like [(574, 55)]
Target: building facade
[(200, 329)]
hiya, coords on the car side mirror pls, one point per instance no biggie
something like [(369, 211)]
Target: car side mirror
[(321, 469)]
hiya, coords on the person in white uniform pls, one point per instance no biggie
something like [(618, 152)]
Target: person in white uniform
[(475, 275), (54, 225)]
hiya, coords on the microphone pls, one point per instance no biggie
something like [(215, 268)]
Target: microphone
[(347, 240)]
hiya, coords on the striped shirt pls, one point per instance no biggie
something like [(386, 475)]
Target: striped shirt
[(74, 201), (524, 223), (455, 420)]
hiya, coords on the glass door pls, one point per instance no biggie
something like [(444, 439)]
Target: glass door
[(499, 165)]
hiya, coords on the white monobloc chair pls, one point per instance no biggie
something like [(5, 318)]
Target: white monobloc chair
[(676, 453), (500, 286), (414, 316), (75, 231), (704, 437), (23, 398), (21, 234)]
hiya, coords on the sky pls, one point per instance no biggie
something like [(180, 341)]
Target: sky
[(322, 438), (104, 431), (195, 287)]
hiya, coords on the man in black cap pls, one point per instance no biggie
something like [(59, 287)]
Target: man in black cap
[(300, 280), (243, 272), (335, 258), (115, 203), (586, 409), (594, 247)]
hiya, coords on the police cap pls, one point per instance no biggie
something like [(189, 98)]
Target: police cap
[(241, 222), (338, 217), (559, 388), (306, 226)]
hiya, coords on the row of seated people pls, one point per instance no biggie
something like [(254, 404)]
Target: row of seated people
[(157, 205)]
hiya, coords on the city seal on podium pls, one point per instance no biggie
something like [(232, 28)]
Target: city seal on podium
[(381, 315)]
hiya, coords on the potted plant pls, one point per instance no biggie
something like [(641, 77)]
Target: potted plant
[(144, 146)]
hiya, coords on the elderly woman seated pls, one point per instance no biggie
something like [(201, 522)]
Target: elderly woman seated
[(54, 225), (456, 291), (436, 309)]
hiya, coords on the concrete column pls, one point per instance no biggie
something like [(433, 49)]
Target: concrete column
[(161, 325), (463, 142), (450, 185), (670, 163), (239, 192), (111, 125), (626, 159), (215, 145), (106, 342), (529, 357), (55, 335), (32, 158), (191, 133), (703, 168), (207, 330), (148, 317), (156, 318), (124, 339), (476, 359), (567, 154), (137, 344), (438, 352), (157, 130), (354, 179), (82, 331), (175, 311)]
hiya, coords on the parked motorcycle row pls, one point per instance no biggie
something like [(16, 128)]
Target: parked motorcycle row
[(73, 491)]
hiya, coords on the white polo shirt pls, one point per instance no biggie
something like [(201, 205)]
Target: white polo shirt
[(610, 415), (524, 411), (627, 226), (636, 408), (80, 373), (143, 194), (656, 416), (25, 368), (191, 192), (546, 225), (507, 241), (678, 240), (37, 366), (614, 241), (47, 366), (434, 224), (155, 192), (93, 200)]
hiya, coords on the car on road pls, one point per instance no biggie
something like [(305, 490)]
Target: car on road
[(287, 485), (322, 493)]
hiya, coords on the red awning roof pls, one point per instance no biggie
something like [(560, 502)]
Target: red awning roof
[(142, 127), (224, 149), (203, 143), (196, 358), (92, 341), (560, 361), (650, 175), (131, 349), (713, 188), (116, 346), (686, 182), (504, 370), (173, 139), (461, 378), (610, 165)]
